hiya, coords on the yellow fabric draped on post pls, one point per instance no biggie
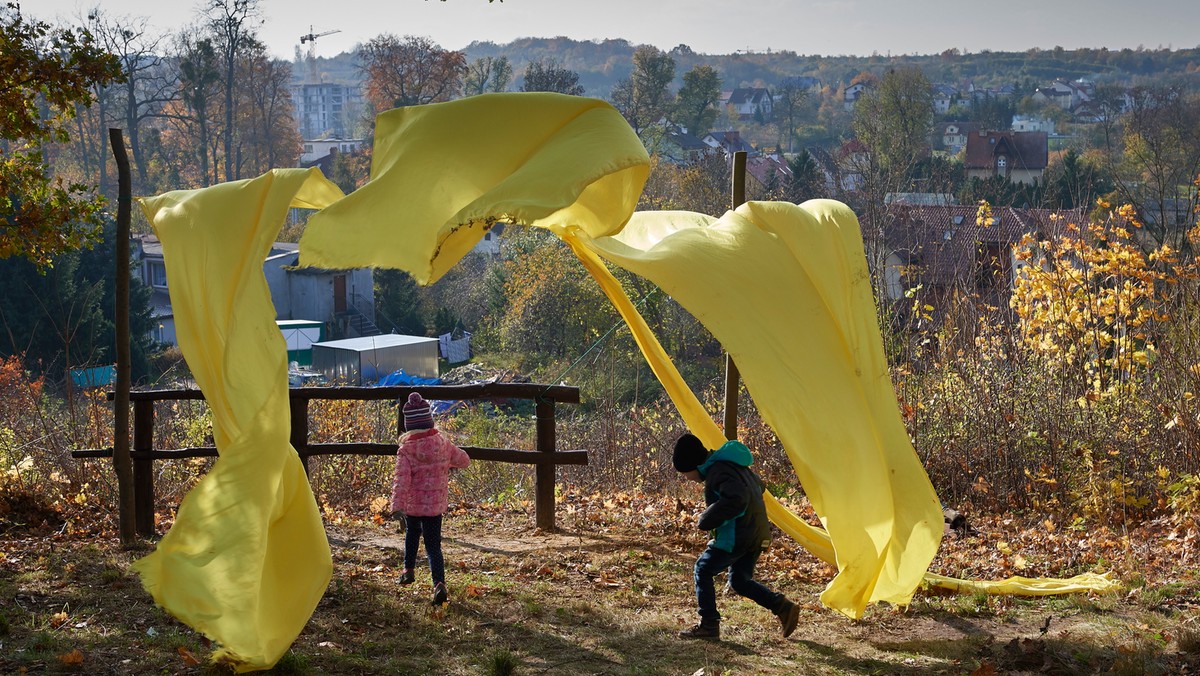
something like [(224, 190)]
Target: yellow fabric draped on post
[(784, 288), (247, 559)]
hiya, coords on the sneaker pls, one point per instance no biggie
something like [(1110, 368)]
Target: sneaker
[(703, 630), (440, 597), (407, 576), (789, 615)]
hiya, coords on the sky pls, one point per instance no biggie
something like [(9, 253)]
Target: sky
[(808, 27)]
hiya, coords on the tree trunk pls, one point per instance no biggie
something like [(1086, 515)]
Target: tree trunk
[(121, 458)]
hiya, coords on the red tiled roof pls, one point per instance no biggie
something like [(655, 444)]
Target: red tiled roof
[(1024, 149), (944, 240)]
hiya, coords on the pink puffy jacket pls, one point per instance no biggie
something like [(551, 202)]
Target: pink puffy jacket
[(423, 464)]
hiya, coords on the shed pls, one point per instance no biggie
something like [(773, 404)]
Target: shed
[(364, 361), (300, 335)]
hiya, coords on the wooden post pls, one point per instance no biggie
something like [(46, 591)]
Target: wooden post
[(545, 471), (126, 474), (738, 188), (143, 467), (299, 438)]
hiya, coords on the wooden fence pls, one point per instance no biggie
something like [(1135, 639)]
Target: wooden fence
[(545, 456)]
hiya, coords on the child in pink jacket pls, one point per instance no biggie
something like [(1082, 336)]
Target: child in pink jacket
[(419, 486)]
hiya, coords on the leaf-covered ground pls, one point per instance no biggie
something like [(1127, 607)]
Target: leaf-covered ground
[(607, 594)]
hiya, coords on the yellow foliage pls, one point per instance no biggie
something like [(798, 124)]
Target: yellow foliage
[(1083, 298)]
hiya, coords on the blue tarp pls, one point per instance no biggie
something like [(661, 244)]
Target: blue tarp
[(96, 376), (397, 378), (435, 406)]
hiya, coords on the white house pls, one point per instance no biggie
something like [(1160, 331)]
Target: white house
[(852, 93), (747, 103), (316, 149), (1032, 123)]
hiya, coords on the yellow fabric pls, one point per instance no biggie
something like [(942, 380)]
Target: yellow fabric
[(247, 559), (786, 291), (537, 159), (783, 287)]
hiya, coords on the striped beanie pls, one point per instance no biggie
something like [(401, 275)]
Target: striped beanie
[(416, 413)]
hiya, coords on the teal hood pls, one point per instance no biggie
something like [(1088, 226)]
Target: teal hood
[(731, 451)]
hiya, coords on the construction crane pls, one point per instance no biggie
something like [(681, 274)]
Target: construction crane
[(311, 39)]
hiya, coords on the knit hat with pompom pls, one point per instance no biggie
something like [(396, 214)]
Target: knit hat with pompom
[(417, 415)]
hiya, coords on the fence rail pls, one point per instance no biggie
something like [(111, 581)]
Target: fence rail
[(545, 457)]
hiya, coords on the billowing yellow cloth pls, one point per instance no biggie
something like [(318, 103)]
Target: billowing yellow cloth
[(784, 288), (247, 559)]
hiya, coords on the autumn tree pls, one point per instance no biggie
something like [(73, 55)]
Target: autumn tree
[(894, 117), (409, 71), (696, 105), (44, 73), (643, 98), (487, 74), (554, 309), (267, 133), (546, 75), (1161, 157)]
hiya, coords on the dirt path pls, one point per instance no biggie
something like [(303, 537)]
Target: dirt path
[(634, 579)]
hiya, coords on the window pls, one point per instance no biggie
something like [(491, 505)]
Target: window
[(158, 274), (308, 147), (1001, 163)]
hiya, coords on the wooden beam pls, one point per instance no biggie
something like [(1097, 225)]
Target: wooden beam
[(732, 377)]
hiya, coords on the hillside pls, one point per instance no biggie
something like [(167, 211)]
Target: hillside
[(602, 64)]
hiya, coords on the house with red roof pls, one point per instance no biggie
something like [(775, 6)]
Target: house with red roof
[(1021, 157)]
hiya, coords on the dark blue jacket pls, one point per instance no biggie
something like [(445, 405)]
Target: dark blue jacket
[(736, 514)]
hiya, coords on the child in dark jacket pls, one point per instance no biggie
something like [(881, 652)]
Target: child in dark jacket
[(419, 490), (737, 517)]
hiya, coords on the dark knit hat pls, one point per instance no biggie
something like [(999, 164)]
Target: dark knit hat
[(689, 454), (416, 413)]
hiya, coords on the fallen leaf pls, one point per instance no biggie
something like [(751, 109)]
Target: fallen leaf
[(189, 658), (73, 658), (58, 619)]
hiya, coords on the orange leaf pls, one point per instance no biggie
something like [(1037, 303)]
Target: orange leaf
[(73, 658), (58, 619), (474, 590), (189, 658)]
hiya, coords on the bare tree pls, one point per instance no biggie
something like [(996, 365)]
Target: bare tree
[(547, 75), (149, 84), (200, 80), (231, 22), (790, 98), (487, 74)]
